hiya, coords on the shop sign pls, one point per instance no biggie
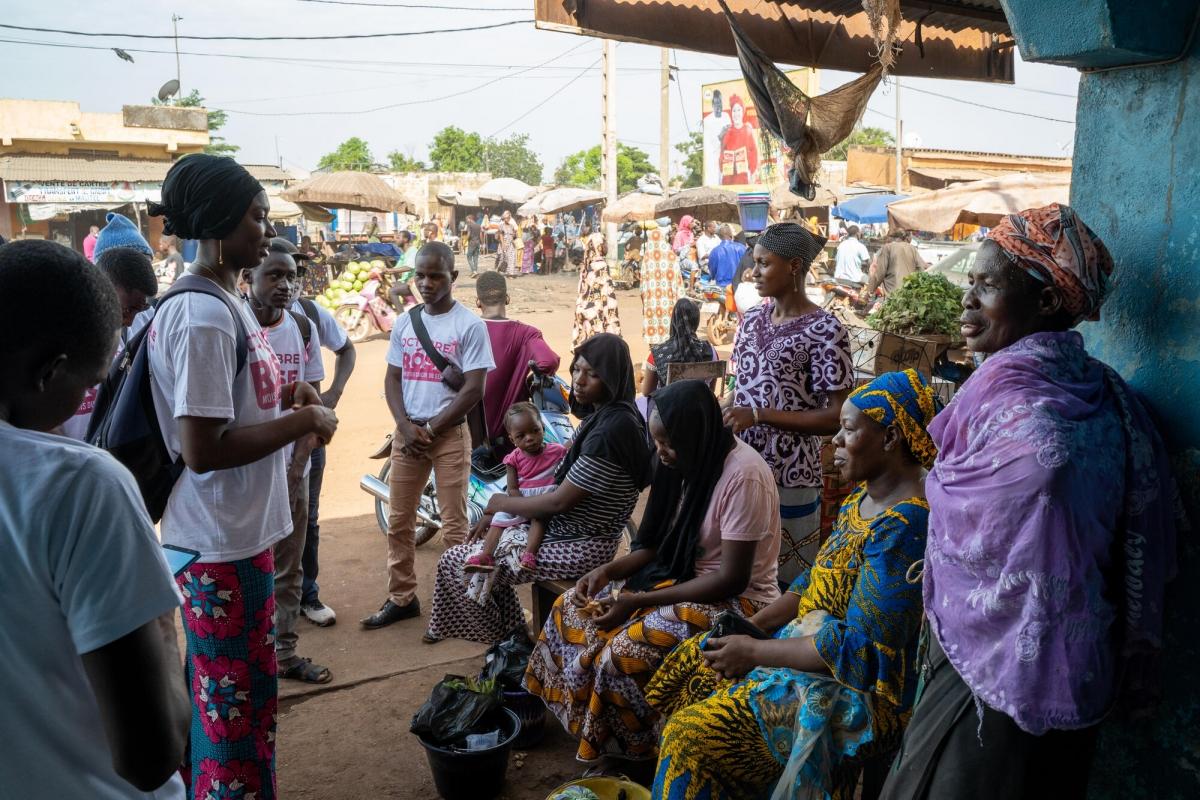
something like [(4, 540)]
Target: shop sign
[(109, 192)]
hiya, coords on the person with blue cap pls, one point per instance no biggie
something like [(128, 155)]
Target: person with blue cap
[(120, 231)]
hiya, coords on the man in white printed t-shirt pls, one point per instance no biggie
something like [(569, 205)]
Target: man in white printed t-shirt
[(430, 416), (297, 346), (95, 705)]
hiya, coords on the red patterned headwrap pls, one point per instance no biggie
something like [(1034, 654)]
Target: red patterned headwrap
[(1054, 245)]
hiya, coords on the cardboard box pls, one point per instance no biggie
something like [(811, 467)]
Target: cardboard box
[(896, 353)]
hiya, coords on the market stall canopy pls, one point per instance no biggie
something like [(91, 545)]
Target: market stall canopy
[(459, 197), (315, 213), (979, 202), (506, 190), (704, 203), (353, 191), (632, 207), (963, 39), (283, 209), (564, 198), (782, 199), (866, 208)]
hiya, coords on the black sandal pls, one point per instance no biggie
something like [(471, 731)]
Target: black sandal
[(302, 669)]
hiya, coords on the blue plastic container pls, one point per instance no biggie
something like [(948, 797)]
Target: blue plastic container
[(752, 209)]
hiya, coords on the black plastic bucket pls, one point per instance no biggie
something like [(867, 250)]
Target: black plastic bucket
[(475, 775), (530, 709)]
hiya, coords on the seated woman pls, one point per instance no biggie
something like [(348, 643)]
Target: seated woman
[(709, 542), (598, 485), (836, 682), (683, 346)]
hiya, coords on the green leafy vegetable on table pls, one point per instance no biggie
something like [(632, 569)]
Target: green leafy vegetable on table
[(925, 304)]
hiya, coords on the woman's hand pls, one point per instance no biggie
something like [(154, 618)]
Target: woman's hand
[(739, 418), (495, 504), (619, 611), (479, 529), (590, 585), (732, 657)]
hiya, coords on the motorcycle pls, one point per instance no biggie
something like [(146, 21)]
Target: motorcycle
[(845, 302), (369, 310), (547, 392), (717, 303)]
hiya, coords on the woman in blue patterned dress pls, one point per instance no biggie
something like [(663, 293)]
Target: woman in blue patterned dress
[(797, 713)]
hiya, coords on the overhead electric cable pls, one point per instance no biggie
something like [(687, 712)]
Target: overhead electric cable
[(317, 38)]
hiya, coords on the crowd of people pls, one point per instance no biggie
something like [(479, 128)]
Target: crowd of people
[(990, 584)]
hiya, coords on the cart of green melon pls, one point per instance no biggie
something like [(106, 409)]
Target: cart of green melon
[(353, 276)]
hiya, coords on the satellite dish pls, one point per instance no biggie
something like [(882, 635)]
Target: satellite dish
[(168, 89)]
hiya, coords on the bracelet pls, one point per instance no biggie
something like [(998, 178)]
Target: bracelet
[(754, 412), (429, 428)]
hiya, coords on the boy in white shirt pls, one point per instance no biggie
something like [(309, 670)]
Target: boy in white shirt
[(430, 414), (97, 708), (297, 345)]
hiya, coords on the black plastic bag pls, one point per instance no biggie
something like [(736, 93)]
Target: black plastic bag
[(505, 661), (455, 706)]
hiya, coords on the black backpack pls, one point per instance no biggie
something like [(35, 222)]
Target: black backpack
[(124, 421)]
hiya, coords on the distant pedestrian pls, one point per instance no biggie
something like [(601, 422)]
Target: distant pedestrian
[(596, 309), (852, 258), (894, 262), (725, 258), (506, 251), (529, 244), (474, 239), (661, 282), (89, 243)]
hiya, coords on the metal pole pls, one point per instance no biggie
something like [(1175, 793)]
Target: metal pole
[(664, 124), (178, 79), (608, 149), (899, 138)]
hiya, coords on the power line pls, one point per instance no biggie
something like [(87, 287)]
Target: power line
[(412, 5), (679, 86), (908, 88), (322, 37), (552, 95), (405, 102)]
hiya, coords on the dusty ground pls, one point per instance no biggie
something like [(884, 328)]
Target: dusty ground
[(349, 739)]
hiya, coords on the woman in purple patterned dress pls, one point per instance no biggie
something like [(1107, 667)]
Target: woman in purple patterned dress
[(793, 373)]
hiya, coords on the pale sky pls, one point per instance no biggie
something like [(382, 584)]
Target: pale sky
[(557, 103)]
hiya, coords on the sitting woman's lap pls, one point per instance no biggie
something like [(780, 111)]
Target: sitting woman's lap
[(456, 616)]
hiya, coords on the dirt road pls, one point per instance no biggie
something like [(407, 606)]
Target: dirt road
[(349, 739)]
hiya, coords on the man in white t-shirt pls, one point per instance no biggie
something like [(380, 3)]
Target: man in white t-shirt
[(430, 416), (335, 340), (852, 258), (96, 704), (707, 242), (297, 346)]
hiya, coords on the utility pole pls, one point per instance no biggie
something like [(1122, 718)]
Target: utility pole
[(899, 137), (175, 18), (608, 147), (664, 123)]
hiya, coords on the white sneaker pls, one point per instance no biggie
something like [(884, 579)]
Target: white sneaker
[(319, 614)]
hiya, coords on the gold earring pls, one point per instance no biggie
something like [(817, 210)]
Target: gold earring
[(220, 254), (796, 281)]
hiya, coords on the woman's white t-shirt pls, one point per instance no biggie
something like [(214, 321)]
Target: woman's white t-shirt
[(226, 514)]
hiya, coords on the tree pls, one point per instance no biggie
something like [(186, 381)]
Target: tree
[(217, 146), (401, 162), (869, 137), (512, 158), (352, 154), (455, 150), (583, 168), (693, 159)]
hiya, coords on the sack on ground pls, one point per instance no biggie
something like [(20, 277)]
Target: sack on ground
[(454, 708)]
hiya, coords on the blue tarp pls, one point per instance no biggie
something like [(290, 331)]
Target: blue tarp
[(866, 208), (380, 249)]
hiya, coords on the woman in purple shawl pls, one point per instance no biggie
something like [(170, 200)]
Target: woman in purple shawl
[(1051, 533)]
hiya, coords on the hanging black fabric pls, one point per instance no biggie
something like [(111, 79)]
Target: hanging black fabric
[(809, 126)]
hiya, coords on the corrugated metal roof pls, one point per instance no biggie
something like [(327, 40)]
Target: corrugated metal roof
[(73, 169), (268, 172), (950, 15)]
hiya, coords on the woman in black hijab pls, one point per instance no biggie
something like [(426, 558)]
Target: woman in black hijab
[(708, 543), (683, 346), (599, 482)]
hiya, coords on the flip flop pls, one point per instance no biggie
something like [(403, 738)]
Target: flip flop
[(479, 563), (302, 669)]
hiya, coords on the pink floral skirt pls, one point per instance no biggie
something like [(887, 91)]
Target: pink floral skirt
[(229, 621)]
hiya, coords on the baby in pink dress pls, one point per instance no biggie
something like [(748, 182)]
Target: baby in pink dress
[(531, 469)]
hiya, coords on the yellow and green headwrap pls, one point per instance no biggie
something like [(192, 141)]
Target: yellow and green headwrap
[(905, 400)]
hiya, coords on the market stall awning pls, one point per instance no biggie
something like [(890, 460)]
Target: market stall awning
[(704, 203), (866, 208), (632, 207), (459, 197), (353, 191), (980, 202), (964, 39), (506, 190), (564, 198)]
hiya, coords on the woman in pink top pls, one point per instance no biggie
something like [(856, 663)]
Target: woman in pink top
[(708, 543)]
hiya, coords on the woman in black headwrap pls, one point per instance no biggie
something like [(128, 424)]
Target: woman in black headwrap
[(221, 405), (708, 543), (599, 481), (792, 362), (683, 346)]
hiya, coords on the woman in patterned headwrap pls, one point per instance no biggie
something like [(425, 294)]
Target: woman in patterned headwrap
[(1051, 499), (792, 361), (835, 683)]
